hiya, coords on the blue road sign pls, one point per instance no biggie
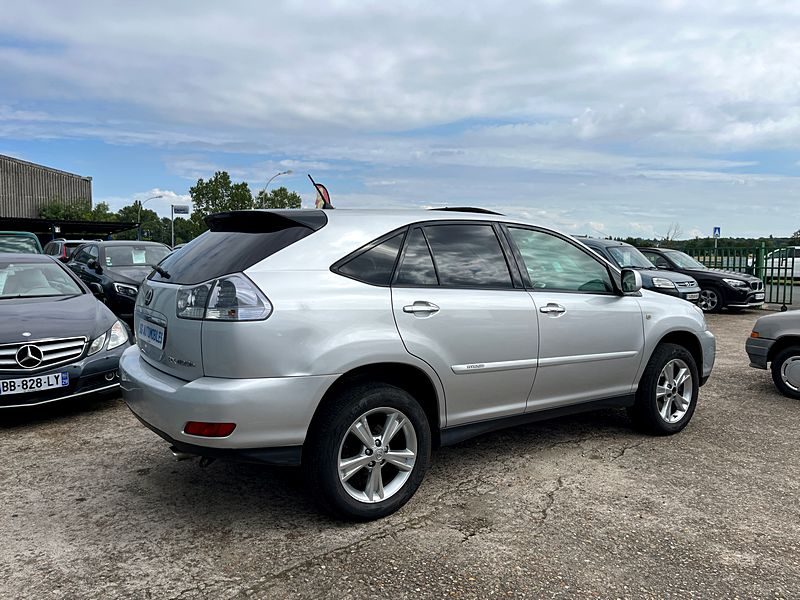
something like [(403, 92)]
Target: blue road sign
[(717, 232)]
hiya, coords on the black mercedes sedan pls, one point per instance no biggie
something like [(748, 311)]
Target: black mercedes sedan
[(57, 341), (115, 270), (718, 289), (626, 256)]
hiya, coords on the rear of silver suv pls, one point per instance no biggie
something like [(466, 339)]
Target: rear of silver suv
[(351, 342)]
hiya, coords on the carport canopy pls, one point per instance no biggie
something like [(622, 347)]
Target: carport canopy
[(48, 229)]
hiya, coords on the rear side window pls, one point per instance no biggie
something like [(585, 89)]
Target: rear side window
[(18, 244), (237, 241), (375, 265), (468, 255)]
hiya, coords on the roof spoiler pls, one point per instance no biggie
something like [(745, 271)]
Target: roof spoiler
[(469, 209), (262, 221)]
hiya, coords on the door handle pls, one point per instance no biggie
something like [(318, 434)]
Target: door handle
[(550, 307), (421, 308)]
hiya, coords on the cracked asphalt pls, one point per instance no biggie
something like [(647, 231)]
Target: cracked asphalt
[(93, 506)]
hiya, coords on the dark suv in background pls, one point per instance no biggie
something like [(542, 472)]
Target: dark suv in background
[(718, 289), (626, 256), (115, 270)]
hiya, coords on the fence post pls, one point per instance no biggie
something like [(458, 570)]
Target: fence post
[(760, 261)]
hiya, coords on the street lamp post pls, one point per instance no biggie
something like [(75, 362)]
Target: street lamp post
[(139, 216), (287, 172)]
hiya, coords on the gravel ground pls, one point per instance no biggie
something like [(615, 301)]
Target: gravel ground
[(93, 506)]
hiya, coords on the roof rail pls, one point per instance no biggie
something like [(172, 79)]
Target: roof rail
[(469, 209)]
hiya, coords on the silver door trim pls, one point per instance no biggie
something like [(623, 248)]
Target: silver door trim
[(503, 365), (581, 358)]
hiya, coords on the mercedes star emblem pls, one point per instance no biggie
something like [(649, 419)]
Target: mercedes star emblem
[(29, 357)]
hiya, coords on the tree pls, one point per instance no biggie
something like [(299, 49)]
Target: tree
[(278, 198), (58, 211), (218, 194), (674, 231), (796, 235)]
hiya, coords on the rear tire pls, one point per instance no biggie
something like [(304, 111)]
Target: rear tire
[(710, 300), (367, 451), (786, 372), (667, 393)]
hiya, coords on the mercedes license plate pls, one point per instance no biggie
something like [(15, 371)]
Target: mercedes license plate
[(152, 334), (37, 383)]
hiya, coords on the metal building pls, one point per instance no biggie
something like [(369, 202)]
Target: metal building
[(26, 187)]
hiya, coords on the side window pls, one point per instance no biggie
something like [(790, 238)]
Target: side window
[(555, 264), (374, 266), (468, 255), (93, 252), (51, 248), (81, 254), (416, 267), (656, 259)]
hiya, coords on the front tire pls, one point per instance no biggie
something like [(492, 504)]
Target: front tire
[(710, 299), (367, 451), (786, 371), (667, 393)]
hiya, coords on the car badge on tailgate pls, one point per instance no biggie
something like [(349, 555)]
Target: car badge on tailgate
[(148, 297)]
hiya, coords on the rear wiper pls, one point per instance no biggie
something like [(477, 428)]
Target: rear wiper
[(161, 271)]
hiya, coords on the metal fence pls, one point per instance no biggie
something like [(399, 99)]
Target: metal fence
[(775, 267)]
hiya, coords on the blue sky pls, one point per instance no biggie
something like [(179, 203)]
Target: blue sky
[(610, 117)]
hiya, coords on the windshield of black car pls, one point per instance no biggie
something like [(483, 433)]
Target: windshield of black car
[(683, 261), (134, 255), (29, 280), (629, 257), (18, 244)]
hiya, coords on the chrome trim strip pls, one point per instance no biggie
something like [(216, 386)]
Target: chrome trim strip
[(582, 358), (503, 365), (95, 391)]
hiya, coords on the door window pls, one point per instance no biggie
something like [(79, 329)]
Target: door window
[(468, 255), (555, 264), (658, 260), (417, 267)]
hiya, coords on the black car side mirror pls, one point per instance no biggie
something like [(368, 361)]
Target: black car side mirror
[(93, 264), (96, 289)]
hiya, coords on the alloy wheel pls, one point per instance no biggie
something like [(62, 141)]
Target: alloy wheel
[(674, 391), (790, 373), (377, 455), (708, 300)]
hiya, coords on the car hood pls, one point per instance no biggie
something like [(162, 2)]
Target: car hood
[(671, 275), (720, 274), (132, 275), (53, 318)]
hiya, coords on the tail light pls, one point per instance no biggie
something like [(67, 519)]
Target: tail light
[(230, 298)]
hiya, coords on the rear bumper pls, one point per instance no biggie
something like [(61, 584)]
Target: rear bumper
[(268, 412), (758, 351)]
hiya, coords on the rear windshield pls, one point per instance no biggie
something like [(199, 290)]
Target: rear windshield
[(236, 243), (18, 244)]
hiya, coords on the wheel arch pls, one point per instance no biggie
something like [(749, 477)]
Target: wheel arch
[(408, 377), (687, 340), (781, 344)]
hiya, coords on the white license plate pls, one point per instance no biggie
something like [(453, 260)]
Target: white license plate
[(37, 383), (759, 296), (152, 334), (692, 296)]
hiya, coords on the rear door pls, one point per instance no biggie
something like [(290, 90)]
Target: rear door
[(457, 308), (590, 338)]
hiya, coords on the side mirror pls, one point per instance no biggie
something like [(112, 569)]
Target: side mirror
[(93, 264), (631, 281), (96, 289)]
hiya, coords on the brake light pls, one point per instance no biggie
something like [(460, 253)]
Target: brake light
[(230, 298), (215, 430)]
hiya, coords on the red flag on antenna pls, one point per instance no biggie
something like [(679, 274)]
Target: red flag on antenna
[(323, 199)]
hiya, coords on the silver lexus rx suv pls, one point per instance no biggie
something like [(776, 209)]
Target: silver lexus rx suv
[(354, 341)]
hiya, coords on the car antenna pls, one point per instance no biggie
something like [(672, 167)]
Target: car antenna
[(322, 194)]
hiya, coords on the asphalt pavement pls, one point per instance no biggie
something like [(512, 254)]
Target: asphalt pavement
[(92, 505)]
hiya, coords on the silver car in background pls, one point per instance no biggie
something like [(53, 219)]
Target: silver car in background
[(354, 341)]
